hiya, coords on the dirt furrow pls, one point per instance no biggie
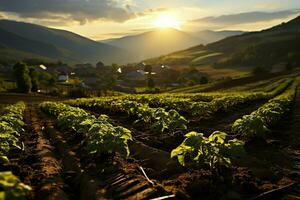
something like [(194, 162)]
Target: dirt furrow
[(291, 139), (99, 178), (284, 142), (221, 121), (45, 176)]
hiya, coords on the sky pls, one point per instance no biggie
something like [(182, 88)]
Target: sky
[(103, 19)]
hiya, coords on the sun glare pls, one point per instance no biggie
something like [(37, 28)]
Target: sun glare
[(167, 21)]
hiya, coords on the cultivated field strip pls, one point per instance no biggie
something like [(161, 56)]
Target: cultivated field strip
[(11, 151), (258, 123), (72, 153), (146, 115), (289, 136), (117, 184), (200, 109), (11, 128)]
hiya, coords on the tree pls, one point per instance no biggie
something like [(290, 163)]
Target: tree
[(151, 83), (289, 66), (203, 80), (114, 67), (148, 68), (259, 71), (2, 87), (51, 81), (100, 65), (21, 73), (34, 80), (192, 69)]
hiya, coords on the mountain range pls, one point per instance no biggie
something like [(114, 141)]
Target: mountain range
[(19, 40), (163, 41), (280, 44)]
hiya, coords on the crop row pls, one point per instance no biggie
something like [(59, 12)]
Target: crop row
[(158, 119), (258, 122), (11, 123), (260, 86), (216, 150), (213, 151), (142, 109), (227, 102), (99, 135)]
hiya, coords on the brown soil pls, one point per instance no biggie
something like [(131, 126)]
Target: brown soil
[(100, 177), (57, 166), (220, 121), (41, 167), (64, 170), (260, 171)]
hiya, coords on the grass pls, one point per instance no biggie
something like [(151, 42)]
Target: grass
[(216, 74), (6, 82), (188, 89), (202, 58)]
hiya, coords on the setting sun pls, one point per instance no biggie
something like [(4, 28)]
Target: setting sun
[(167, 21)]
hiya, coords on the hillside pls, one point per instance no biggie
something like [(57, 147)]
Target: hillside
[(154, 43), (163, 41), (30, 40), (268, 47), (23, 40), (265, 48), (209, 36)]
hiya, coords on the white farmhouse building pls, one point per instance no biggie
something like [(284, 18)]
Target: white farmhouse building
[(63, 77)]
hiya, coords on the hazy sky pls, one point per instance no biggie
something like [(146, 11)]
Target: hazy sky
[(99, 19)]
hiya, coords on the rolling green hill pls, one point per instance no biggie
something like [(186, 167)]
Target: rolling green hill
[(20, 40), (154, 43), (163, 41), (265, 48)]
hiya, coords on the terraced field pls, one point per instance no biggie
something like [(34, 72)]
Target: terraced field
[(235, 143)]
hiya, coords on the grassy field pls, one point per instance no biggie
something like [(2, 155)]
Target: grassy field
[(6, 82)]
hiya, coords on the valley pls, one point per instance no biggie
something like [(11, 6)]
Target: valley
[(149, 100)]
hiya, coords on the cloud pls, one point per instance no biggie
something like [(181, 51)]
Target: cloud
[(141, 30), (268, 6), (240, 19), (3, 15), (81, 11), (152, 11), (109, 36)]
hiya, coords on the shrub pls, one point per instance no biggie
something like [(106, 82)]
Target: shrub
[(21, 72)]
